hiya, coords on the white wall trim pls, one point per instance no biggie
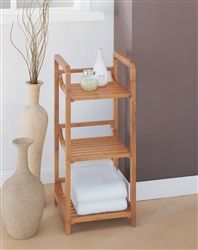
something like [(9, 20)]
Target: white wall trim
[(164, 188), (79, 12), (58, 16), (146, 190)]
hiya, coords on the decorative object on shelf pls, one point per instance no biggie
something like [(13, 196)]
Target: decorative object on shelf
[(33, 124), (100, 70), (88, 81), (34, 25), (23, 197)]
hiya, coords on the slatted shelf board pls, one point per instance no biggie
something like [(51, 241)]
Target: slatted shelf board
[(75, 218), (111, 90), (96, 148)]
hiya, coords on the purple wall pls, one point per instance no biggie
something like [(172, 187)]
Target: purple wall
[(161, 37)]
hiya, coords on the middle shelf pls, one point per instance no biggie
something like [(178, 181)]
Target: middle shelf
[(95, 148)]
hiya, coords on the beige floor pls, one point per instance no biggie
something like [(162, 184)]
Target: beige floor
[(162, 224)]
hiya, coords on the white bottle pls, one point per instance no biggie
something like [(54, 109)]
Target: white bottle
[(100, 70)]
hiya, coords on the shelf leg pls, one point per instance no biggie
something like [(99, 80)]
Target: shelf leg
[(56, 128), (133, 143), (55, 202), (133, 195), (68, 152), (133, 222), (68, 197), (68, 230), (115, 107)]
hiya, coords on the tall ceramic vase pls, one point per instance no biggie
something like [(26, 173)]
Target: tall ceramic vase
[(23, 197), (33, 124)]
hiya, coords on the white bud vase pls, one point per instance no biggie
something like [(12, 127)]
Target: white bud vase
[(100, 70), (33, 124), (23, 197)]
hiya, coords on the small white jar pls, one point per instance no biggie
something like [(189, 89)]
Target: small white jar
[(88, 81)]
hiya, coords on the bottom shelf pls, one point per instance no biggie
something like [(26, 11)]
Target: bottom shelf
[(75, 218)]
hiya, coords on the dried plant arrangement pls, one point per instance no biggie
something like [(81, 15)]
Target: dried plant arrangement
[(33, 23)]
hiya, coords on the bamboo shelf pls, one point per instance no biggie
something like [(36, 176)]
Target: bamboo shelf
[(112, 89), (97, 148)]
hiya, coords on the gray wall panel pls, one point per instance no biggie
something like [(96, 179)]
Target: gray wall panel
[(163, 43)]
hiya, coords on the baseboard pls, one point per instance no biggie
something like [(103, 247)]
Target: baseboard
[(146, 190), (164, 188)]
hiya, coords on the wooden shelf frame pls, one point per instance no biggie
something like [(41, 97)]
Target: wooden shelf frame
[(109, 147)]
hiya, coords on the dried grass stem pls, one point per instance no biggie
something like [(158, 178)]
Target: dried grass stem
[(34, 25)]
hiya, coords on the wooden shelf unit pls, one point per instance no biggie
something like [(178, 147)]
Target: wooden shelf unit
[(97, 148)]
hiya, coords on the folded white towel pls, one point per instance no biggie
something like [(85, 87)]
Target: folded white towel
[(83, 208), (96, 181)]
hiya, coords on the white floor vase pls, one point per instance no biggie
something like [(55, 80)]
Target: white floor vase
[(33, 124), (23, 197)]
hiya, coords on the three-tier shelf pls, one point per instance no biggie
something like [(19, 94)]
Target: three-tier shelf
[(97, 148)]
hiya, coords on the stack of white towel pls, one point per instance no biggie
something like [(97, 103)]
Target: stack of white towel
[(97, 187)]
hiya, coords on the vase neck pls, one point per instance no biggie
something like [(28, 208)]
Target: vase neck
[(22, 145), (33, 93)]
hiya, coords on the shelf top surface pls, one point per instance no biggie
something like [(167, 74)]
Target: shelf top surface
[(97, 148), (111, 90)]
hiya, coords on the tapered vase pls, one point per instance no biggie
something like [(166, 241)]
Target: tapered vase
[(33, 124), (23, 197)]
